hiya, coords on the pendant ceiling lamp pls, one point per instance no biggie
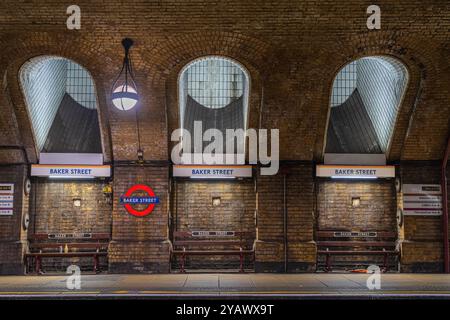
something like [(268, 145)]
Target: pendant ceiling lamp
[(124, 93)]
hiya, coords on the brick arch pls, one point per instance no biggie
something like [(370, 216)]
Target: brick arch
[(181, 51), (18, 53), (422, 71)]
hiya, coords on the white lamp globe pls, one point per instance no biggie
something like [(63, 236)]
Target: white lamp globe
[(124, 97)]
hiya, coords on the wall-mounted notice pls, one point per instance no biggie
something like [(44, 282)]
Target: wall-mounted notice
[(422, 200), (6, 199)]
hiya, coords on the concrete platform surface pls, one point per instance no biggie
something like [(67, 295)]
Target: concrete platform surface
[(227, 285)]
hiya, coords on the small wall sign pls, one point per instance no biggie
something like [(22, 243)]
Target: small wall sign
[(354, 234), (213, 233), (6, 199), (128, 200), (70, 235), (422, 200)]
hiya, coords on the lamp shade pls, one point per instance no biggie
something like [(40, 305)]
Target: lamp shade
[(124, 97)]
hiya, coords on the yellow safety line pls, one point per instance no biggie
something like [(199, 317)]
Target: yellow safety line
[(375, 292), (47, 292)]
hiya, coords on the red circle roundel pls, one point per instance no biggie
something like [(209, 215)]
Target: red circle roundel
[(150, 199)]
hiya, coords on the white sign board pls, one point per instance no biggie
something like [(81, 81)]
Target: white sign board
[(422, 200), (6, 199), (71, 158), (70, 171), (355, 172), (212, 172)]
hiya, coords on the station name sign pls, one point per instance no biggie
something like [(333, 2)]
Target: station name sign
[(361, 172), (148, 200), (212, 172), (70, 171)]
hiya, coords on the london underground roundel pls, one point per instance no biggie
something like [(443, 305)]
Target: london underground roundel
[(149, 200)]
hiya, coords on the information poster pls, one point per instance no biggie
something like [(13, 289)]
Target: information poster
[(6, 199), (422, 200)]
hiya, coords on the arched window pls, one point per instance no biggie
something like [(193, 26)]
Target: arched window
[(365, 101), (62, 105), (213, 90)]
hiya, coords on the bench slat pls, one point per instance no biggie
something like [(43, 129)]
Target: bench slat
[(207, 242), (188, 234), (380, 234), (209, 253), (65, 254), (355, 243), (69, 245), (347, 252)]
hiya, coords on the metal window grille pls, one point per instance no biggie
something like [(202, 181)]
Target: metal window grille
[(214, 82), (45, 80), (79, 85), (344, 84), (381, 82)]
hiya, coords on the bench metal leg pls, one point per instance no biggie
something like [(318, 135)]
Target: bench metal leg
[(385, 263), (27, 265), (96, 264), (328, 263), (241, 262), (182, 262), (38, 265)]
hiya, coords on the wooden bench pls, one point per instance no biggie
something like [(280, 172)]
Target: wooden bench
[(49, 246), (350, 243), (192, 243)]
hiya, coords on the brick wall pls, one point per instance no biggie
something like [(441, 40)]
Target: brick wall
[(291, 79), (193, 210), (422, 248), (376, 212), (297, 72), (52, 210), (12, 234), (270, 248), (140, 244)]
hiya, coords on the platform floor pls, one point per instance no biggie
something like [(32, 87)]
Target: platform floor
[(227, 285)]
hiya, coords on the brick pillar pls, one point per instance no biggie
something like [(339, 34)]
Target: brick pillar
[(422, 248), (270, 246), (140, 244), (13, 236)]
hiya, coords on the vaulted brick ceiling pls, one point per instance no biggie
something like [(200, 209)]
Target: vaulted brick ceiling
[(292, 50)]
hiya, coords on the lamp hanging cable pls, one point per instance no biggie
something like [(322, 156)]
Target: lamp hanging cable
[(140, 152)]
